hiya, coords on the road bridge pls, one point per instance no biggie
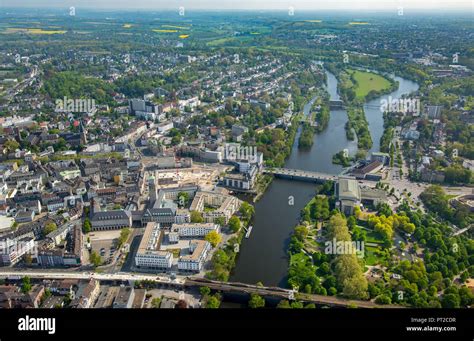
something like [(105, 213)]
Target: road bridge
[(302, 175), (336, 104)]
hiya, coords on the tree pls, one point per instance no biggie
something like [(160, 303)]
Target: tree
[(451, 301), (256, 301), (234, 224), (466, 296), (124, 234), (284, 304), (247, 211), (11, 145), (86, 226), (95, 259), (49, 227), (301, 232), (26, 285), (156, 302), (205, 291), (196, 217), (357, 212), (436, 200), (213, 302), (383, 299), (347, 268), (351, 222), (355, 286), (297, 305), (384, 209), (320, 208), (220, 221), (214, 238), (183, 199)]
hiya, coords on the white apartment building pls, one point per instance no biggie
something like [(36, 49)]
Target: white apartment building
[(149, 254), (195, 260), (194, 229), (226, 205), (12, 250)]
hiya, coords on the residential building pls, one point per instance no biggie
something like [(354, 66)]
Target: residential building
[(193, 230), (149, 254), (225, 205), (86, 294), (124, 298), (194, 261), (12, 250)]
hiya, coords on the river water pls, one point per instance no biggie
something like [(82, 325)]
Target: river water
[(263, 257)]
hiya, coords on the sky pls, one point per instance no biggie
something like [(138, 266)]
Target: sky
[(247, 4)]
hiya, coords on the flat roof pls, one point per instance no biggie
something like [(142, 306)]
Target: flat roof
[(198, 250)]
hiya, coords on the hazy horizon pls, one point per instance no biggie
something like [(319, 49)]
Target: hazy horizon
[(302, 5)]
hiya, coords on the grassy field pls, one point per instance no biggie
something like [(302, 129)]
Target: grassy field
[(164, 31), (368, 81), (34, 31)]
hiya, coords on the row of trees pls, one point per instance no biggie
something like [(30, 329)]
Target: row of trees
[(347, 269)]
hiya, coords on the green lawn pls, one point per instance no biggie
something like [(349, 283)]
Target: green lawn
[(298, 258), (368, 81), (373, 237), (371, 256), (175, 252)]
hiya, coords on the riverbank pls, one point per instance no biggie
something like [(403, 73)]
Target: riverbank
[(264, 256)]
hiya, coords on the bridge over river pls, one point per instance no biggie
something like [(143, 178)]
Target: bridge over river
[(302, 175), (281, 293)]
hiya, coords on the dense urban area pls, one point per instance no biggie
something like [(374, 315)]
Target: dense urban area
[(165, 159)]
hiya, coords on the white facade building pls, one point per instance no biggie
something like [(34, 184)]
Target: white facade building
[(149, 254), (195, 260), (194, 229)]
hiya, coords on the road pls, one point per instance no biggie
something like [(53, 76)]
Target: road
[(88, 275)]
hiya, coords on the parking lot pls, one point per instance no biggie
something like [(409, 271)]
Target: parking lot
[(104, 243)]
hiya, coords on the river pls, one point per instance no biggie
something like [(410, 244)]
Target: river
[(263, 257)]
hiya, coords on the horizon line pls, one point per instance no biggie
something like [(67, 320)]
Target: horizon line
[(296, 9)]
